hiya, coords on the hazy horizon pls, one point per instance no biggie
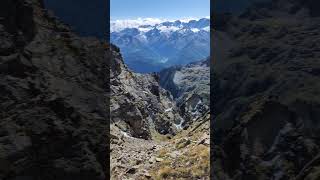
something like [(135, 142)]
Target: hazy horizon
[(135, 23)]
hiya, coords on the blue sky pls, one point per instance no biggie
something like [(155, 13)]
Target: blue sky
[(169, 9)]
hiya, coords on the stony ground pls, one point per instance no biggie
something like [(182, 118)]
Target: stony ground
[(132, 158), (184, 156)]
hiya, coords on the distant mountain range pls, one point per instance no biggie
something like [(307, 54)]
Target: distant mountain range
[(150, 47)]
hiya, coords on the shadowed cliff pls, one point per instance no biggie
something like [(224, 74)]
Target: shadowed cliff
[(53, 113), (266, 93)]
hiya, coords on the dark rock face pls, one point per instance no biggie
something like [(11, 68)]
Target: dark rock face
[(15, 27), (266, 96), (53, 97)]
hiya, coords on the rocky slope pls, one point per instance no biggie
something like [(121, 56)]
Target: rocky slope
[(190, 87), (266, 94), (138, 104), (53, 114)]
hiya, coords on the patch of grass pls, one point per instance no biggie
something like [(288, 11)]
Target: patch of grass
[(184, 158), (183, 143), (159, 137), (194, 164), (162, 153), (164, 172), (170, 173), (166, 162), (201, 161)]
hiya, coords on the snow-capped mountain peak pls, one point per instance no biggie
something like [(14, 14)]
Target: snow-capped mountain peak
[(152, 44), (148, 24)]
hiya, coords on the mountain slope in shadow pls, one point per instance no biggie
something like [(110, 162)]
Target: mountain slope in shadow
[(266, 94), (54, 119)]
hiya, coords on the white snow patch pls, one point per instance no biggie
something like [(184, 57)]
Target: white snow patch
[(177, 78), (142, 37), (144, 29), (118, 25), (199, 102), (206, 28), (126, 134), (179, 126), (168, 110), (168, 29), (195, 30)]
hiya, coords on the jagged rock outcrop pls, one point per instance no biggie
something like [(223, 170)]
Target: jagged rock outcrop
[(190, 87), (138, 104), (266, 95), (53, 104)]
